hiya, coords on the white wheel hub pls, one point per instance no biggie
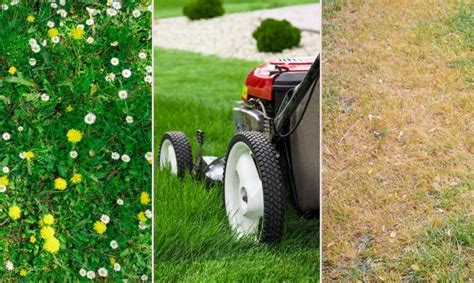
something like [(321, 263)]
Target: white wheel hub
[(168, 157), (243, 191)]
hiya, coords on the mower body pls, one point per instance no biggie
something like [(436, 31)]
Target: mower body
[(266, 90)]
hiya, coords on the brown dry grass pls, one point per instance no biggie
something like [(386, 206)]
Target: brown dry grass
[(398, 141)]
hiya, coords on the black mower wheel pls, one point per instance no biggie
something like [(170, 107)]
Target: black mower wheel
[(254, 192), (175, 153)]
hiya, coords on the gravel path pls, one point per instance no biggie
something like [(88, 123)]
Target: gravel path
[(230, 36)]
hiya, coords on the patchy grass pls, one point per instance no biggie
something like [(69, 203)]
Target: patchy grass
[(174, 8), (398, 144), (192, 238)]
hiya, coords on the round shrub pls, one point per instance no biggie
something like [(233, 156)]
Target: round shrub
[(275, 35), (203, 9)]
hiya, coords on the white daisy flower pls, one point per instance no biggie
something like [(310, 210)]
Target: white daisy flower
[(144, 277), (105, 219), (35, 48), (91, 153), (62, 2), (6, 170), (129, 119), (50, 24), (54, 5), (142, 225), (22, 155), (20, 129), (102, 272), (125, 158), (142, 55), (82, 272), (113, 244), (148, 155), (90, 40), (62, 12), (32, 41), (44, 97), (55, 39), (90, 21), (148, 213), (110, 77), (115, 156), (116, 5), (120, 201), (148, 69), (123, 94), (115, 43), (4, 7), (73, 154), (90, 274), (126, 73), (6, 136), (136, 13), (148, 79), (9, 265), (3, 188), (117, 267), (90, 118), (114, 61), (32, 61), (111, 12)]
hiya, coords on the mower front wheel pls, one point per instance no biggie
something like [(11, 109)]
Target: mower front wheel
[(175, 153), (253, 188)]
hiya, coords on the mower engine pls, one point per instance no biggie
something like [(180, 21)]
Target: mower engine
[(264, 91)]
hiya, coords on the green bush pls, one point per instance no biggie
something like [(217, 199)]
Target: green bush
[(275, 36), (203, 9)]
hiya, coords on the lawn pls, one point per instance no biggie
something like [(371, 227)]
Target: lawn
[(398, 138), (173, 8), (75, 147), (192, 239)]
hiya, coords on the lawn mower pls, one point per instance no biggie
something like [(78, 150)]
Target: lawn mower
[(275, 149)]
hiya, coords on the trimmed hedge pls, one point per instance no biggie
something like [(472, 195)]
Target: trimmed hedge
[(275, 35), (203, 9)]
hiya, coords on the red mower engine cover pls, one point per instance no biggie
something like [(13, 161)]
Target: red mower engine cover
[(259, 82)]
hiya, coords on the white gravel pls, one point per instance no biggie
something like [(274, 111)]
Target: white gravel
[(230, 36)]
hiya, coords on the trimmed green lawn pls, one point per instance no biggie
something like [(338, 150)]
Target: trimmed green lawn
[(173, 8), (192, 239)]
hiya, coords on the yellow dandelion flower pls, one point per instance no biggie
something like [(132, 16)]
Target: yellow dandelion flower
[(29, 155), (60, 184), (141, 216), (69, 108), (113, 261), (31, 19), (4, 181), (51, 245), (74, 136), (76, 178), (78, 33), (14, 212), (32, 239), (48, 219), (144, 198), (100, 227), (47, 232), (23, 273), (53, 32), (93, 88), (12, 70)]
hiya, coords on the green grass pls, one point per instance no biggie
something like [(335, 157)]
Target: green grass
[(71, 73), (192, 239), (173, 8)]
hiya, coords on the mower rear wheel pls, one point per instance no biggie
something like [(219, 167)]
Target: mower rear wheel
[(175, 153), (253, 188)]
